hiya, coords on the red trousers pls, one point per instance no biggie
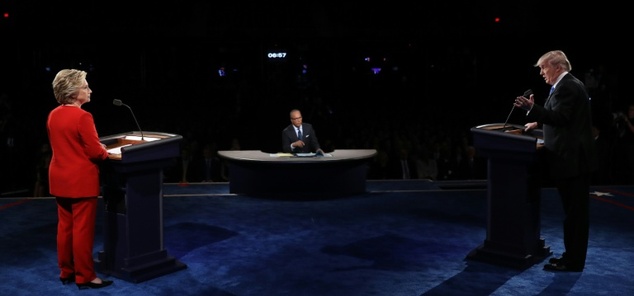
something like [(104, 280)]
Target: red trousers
[(75, 237)]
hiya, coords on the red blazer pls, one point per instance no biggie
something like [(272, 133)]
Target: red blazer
[(74, 169)]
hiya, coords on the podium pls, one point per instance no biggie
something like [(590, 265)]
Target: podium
[(513, 236), (132, 180)]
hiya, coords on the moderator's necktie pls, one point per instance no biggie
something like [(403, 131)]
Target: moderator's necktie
[(299, 134)]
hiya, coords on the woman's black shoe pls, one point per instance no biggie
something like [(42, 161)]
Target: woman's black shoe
[(67, 280), (91, 285)]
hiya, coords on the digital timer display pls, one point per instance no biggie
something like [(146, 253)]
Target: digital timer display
[(276, 55)]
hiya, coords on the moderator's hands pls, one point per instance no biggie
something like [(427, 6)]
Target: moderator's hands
[(525, 103), (299, 144)]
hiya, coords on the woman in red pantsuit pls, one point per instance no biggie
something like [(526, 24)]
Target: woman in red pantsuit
[(74, 178)]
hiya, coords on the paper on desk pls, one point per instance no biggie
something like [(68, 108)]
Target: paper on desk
[(117, 150), (138, 138), (280, 154)]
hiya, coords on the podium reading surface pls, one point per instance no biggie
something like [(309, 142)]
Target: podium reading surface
[(133, 196), (341, 172)]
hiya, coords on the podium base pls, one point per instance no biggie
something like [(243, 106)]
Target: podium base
[(509, 258), (141, 271)]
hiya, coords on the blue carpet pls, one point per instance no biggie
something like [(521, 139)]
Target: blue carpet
[(400, 238)]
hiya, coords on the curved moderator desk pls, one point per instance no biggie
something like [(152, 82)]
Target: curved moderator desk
[(341, 172)]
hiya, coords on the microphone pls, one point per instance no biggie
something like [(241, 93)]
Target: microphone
[(526, 94), (118, 102)]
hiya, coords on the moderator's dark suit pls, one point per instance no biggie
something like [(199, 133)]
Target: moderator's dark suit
[(289, 135), (569, 156)]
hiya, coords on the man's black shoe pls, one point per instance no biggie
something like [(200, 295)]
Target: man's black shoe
[(561, 267), (556, 260)]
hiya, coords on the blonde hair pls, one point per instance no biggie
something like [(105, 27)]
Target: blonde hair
[(66, 84), (554, 58)]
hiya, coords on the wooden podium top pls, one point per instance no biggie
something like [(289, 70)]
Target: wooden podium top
[(136, 145), (116, 149), (509, 137)]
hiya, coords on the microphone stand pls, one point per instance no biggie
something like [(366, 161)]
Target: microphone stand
[(507, 118), (526, 94), (137, 122), (117, 102)]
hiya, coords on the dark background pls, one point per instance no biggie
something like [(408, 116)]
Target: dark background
[(446, 66)]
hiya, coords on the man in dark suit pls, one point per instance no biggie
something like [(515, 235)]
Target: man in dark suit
[(299, 137), (569, 153)]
